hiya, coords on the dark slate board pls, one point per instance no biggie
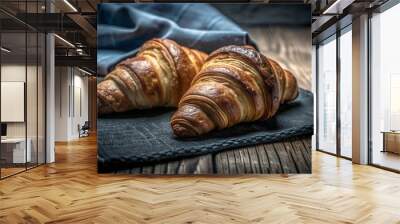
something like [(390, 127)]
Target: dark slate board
[(141, 137)]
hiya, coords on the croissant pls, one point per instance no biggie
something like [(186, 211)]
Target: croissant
[(157, 76), (236, 84)]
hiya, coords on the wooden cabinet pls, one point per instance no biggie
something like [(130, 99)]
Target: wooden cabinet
[(391, 142), (13, 150)]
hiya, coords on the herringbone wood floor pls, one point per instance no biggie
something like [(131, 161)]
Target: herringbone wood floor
[(71, 191)]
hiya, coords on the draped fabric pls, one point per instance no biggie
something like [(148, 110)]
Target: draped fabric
[(123, 28)]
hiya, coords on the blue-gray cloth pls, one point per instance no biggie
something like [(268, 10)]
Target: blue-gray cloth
[(139, 137), (123, 28), (278, 14)]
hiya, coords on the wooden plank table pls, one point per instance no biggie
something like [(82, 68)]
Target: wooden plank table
[(290, 156)]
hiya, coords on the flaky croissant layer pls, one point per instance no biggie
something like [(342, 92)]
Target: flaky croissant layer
[(236, 84), (157, 76)]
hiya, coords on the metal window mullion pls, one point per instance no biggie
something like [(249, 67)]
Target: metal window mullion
[(369, 100), (0, 92), (37, 91), (69, 92), (317, 97), (73, 92), (26, 86), (61, 74), (338, 95), (45, 87), (45, 94)]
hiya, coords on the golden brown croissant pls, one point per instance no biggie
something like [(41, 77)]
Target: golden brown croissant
[(236, 84), (157, 76)]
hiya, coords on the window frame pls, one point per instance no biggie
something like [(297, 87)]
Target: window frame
[(336, 35), (381, 9)]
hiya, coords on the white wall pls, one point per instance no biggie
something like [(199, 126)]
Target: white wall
[(70, 83), (80, 110), (13, 101), (12, 73), (61, 103)]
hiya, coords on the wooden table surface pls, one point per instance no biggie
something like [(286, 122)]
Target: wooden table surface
[(290, 156)]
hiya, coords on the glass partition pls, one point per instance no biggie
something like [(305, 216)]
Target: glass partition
[(41, 97), (14, 153), (22, 88), (32, 97)]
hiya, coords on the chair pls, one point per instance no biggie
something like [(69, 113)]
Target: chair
[(84, 130)]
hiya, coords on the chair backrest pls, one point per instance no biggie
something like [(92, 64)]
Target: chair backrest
[(86, 125)]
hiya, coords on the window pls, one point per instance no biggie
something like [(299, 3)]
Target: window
[(327, 95), (346, 92), (334, 106), (385, 89)]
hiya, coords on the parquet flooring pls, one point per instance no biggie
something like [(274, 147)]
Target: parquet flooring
[(71, 191)]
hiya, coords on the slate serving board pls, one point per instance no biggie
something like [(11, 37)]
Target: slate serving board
[(140, 137)]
